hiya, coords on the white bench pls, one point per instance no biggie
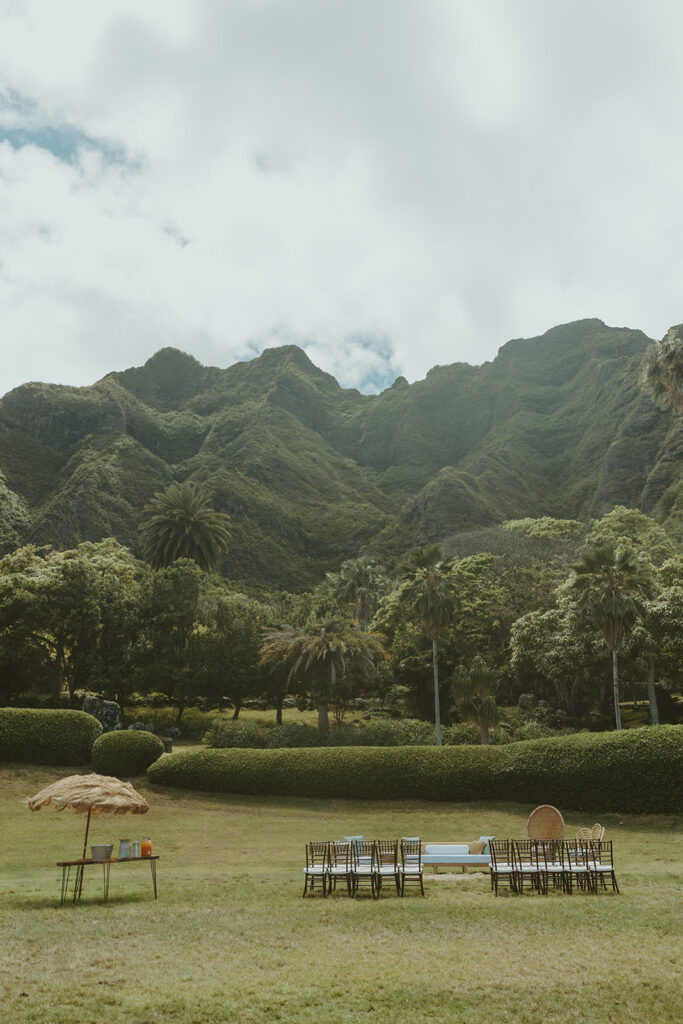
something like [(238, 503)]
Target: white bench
[(448, 854)]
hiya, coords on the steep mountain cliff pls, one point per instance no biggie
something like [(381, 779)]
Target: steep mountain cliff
[(312, 473)]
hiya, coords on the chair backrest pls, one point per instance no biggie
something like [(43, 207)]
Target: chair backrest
[(387, 851), (354, 840), (545, 822), (411, 853), (597, 832), (365, 853), (316, 854), (576, 852), (341, 855), (600, 852), (526, 854), (585, 833), (501, 853)]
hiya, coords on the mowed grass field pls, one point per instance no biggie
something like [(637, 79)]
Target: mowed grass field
[(231, 939)]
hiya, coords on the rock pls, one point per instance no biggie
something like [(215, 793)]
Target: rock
[(108, 712)]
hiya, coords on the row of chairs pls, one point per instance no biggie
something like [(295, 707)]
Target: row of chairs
[(363, 863), (565, 863)]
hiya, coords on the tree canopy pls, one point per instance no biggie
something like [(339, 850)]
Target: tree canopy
[(180, 523)]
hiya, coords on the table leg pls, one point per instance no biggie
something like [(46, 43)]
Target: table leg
[(153, 865), (66, 871), (106, 868), (78, 882)]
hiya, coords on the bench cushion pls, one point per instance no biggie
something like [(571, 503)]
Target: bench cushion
[(447, 849)]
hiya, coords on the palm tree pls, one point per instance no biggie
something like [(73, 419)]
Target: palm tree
[(360, 582), (319, 656), (431, 596), (661, 371), (474, 693), (181, 524), (425, 557), (611, 586)]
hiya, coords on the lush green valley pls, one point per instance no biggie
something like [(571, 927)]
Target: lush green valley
[(312, 473)]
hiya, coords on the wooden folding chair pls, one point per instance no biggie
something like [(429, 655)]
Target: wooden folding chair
[(502, 864), (387, 862), (600, 857), (316, 867), (340, 866), (365, 867), (410, 868)]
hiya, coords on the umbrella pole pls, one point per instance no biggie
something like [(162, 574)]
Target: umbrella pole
[(85, 850), (85, 841)]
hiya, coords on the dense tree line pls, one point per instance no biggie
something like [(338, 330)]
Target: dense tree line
[(442, 639)]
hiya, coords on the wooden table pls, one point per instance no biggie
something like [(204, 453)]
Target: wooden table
[(83, 863)]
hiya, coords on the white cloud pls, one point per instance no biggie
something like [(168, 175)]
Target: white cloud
[(391, 185)]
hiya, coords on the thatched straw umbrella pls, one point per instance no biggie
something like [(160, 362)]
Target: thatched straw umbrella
[(94, 794)]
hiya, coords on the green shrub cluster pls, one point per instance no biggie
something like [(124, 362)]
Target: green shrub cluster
[(405, 732), (255, 735), (39, 736), (193, 724), (126, 753), (636, 771)]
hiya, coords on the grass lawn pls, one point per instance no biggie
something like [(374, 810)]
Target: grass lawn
[(230, 938)]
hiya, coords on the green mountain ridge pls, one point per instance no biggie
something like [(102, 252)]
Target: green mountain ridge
[(313, 473)]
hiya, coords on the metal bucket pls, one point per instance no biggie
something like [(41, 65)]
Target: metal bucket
[(101, 851)]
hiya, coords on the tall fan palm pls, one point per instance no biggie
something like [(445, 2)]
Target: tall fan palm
[(611, 586), (474, 693), (360, 582), (318, 657), (662, 370), (430, 594), (181, 524)]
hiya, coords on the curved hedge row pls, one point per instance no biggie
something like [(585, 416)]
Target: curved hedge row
[(637, 770), (37, 736), (126, 753)]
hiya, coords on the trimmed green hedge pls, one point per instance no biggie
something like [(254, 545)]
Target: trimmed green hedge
[(126, 753), (37, 736), (637, 770)]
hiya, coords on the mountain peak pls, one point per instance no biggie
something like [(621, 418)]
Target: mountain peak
[(168, 378)]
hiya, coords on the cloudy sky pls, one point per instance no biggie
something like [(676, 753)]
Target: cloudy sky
[(388, 183)]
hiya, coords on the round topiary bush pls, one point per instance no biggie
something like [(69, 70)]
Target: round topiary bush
[(126, 753), (39, 736)]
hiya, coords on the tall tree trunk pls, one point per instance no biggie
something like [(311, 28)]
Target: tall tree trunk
[(236, 712), (485, 737), (278, 710), (323, 718), (180, 694), (615, 686), (437, 703), (58, 677), (651, 692)]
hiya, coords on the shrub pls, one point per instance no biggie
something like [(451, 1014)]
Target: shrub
[(193, 724), (38, 736), (407, 732), (125, 753), (236, 734), (637, 771), (456, 735), (293, 734)]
